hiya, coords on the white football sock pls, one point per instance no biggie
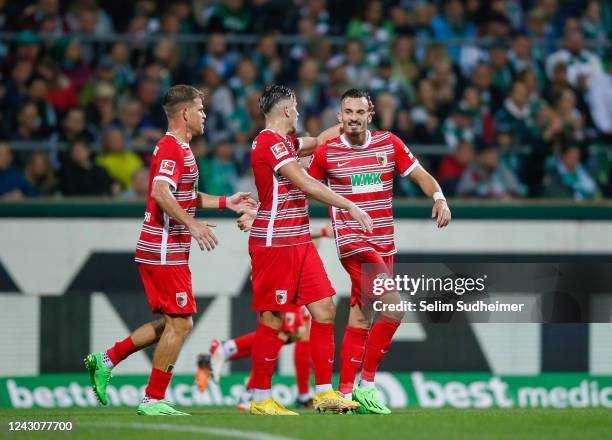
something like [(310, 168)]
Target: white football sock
[(106, 361), (229, 348), (260, 395), (366, 384), (323, 388)]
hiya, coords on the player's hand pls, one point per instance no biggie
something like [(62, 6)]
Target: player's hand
[(441, 213), (241, 201), (362, 218), (203, 234), (245, 221)]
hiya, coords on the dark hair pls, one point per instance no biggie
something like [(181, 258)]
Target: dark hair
[(272, 95), (355, 93), (179, 94)]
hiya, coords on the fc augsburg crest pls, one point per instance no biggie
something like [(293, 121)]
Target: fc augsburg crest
[(382, 158)]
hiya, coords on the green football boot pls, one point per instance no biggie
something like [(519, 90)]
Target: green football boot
[(99, 374), (160, 408), (370, 401)]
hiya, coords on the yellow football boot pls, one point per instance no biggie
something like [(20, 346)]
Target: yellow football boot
[(333, 401), (270, 407)]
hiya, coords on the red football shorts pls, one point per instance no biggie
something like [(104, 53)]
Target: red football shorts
[(285, 276), (363, 268), (168, 288)]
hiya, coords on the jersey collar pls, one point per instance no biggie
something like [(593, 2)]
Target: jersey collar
[(181, 143), (348, 144)]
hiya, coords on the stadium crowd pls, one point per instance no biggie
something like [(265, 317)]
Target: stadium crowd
[(518, 91)]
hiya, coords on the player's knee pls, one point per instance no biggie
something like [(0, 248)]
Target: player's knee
[(180, 325), (325, 313), (271, 319), (394, 316)]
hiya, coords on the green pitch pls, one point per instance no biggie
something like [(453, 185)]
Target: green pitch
[(224, 423)]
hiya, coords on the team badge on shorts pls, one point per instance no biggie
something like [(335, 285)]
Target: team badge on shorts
[(181, 299), (382, 158), (281, 297)]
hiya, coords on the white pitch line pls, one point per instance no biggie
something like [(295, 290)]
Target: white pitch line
[(223, 432)]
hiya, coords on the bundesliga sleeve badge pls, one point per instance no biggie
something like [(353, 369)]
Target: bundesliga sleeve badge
[(279, 150), (167, 167)]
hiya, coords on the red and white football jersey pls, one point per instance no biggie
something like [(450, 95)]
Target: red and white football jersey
[(364, 175), (163, 240), (282, 218)]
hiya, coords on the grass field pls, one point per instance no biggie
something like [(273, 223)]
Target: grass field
[(224, 423)]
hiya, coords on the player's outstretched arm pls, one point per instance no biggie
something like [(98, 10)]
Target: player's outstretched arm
[(236, 202), (310, 144), (440, 212), (200, 230), (315, 189)]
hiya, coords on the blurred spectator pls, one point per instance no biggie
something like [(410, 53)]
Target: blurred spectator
[(502, 74), (383, 82), (591, 22), (451, 25), (17, 85), (44, 16), (267, 60), (104, 74), (386, 108), (102, 110), (309, 89), (73, 66), (123, 73), (218, 104), (516, 115), (39, 174), (488, 177), (119, 163), (572, 121), (567, 177), (74, 126), (522, 58), (491, 99), (218, 174), (600, 102), (37, 92), (229, 16), (316, 10), (453, 166), (86, 16), (147, 93), (582, 66), (246, 122), (61, 93), (373, 28), (424, 115), (245, 82), (80, 176), (27, 123), (444, 83), (459, 127), (218, 58), (405, 63), (140, 186), (358, 72), (13, 184)]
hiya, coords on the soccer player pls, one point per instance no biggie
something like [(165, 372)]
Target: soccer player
[(295, 329), (360, 164), (162, 251), (286, 268)]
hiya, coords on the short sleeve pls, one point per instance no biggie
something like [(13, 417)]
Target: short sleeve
[(169, 164), (276, 153), (318, 166), (405, 162), (296, 142)]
